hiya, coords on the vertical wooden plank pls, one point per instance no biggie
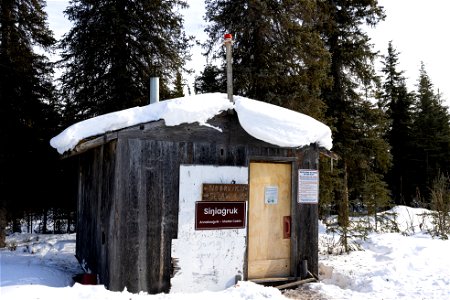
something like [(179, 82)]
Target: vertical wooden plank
[(295, 224), (153, 161), (161, 175), (308, 240), (129, 240), (109, 156), (115, 230)]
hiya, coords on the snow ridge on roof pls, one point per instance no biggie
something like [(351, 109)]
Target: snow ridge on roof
[(267, 122)]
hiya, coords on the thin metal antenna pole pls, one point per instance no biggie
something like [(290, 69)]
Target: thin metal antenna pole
[(228, 43)]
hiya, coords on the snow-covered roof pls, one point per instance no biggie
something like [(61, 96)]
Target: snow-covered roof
[(266, 122)]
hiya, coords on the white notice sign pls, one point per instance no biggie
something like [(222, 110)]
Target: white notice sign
[(308, 186), (271, 194)]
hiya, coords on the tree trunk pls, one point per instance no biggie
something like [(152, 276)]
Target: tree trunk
[(30, 222), (2, 228), (44, 221), (343, 216), (16, 225)]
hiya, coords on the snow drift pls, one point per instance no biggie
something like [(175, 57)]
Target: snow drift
[(267, 122)]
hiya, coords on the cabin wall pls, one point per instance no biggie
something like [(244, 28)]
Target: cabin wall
[(95, 191), (146, 206), (129, 197)]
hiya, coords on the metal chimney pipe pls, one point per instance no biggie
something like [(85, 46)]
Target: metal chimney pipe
[(154, 90), (228, 43)]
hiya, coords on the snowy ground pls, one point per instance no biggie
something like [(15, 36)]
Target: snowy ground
[(405, 265)]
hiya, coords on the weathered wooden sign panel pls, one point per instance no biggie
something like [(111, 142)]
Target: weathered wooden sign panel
[(225, 192), (219, 215)]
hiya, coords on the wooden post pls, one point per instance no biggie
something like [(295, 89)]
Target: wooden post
[(304, 269)]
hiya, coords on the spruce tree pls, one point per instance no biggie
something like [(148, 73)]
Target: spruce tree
[(178, 86), (397, 102), (211, 80), (27, 109), (431, 139), (358, 125), (277, 56), (112, 50)]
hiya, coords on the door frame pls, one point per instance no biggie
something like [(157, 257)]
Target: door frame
[(294, 210)]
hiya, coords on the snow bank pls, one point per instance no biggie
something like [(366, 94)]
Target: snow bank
[(392, 266), (38, 260), (270, 123), (405, 265), (412, 220)]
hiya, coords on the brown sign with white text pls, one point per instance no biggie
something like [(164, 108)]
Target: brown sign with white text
[(219, 215)]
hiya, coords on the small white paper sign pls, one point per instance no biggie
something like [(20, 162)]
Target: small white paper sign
[(271, 194), (308, 186)]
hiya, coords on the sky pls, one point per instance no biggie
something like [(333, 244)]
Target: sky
[(417, 29)]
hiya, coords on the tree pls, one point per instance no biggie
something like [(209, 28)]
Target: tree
[(397, 102), (112, 50), (431, 139), (358, 126), (27, 107), (211, 80), (178, 86), (277, 56)]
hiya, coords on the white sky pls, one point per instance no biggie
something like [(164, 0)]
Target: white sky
[(418, 30), (416, 27)]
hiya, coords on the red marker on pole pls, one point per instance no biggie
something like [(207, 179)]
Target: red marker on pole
[(228, 42)]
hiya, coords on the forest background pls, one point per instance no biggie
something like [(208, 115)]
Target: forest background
[(392, 142)]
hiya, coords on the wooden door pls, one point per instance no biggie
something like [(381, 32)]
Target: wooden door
[(269, 244)]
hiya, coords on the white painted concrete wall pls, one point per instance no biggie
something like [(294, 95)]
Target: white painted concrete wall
[(208, 259)]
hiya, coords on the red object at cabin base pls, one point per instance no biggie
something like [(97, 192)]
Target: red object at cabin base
[(87, 279)]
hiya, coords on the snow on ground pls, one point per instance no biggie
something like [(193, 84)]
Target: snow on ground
[(38, 260), (42, 267), (392, 266), (409, 264)]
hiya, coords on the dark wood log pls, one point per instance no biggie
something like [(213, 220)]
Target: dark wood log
[(295, 283)]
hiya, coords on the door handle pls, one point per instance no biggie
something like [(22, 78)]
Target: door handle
[(286, 227)]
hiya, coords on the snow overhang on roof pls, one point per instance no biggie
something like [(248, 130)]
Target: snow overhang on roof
[(270, 123)]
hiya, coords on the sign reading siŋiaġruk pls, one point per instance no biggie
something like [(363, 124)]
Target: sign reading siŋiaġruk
[(219, 215)]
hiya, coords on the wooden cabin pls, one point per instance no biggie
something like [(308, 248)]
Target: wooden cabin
[(188, 208)]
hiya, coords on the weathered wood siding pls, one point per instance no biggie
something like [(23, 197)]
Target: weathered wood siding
[(128, 197), (95, 195)]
